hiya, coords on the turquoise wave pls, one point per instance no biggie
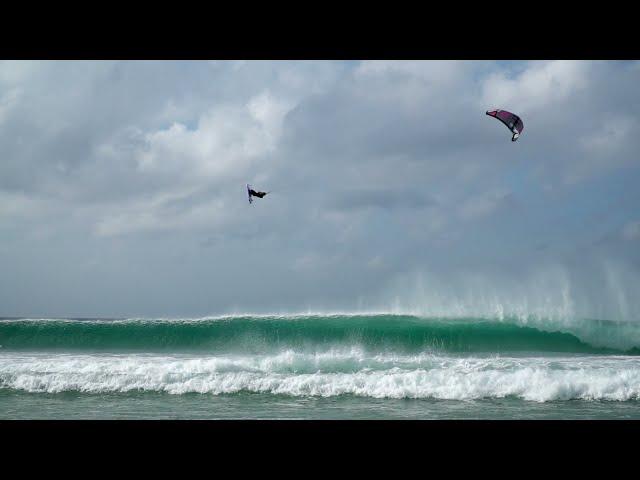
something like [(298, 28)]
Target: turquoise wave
[(251, 334)]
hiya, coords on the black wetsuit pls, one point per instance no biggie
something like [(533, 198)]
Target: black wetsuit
[(256, 194)]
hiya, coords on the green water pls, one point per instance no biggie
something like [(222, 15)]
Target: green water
[(363, 366)]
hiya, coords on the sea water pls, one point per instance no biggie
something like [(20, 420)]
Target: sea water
[(318, 366)]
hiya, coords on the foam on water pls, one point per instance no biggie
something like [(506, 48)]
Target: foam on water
[(330, 373)]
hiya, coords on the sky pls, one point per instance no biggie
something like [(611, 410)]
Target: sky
[(122, 187)]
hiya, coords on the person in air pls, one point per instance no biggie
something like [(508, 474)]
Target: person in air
[(253, 193)]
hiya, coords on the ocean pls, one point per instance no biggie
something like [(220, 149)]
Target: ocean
[(319, 366)]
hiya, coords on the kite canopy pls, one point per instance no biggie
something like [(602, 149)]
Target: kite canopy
[(511, 120)]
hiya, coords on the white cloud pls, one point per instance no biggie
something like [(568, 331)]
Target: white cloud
[(539, 86), (611, 144), (484, 204), (230, 144), (423, 88), (157, 215), (613, 132), (435, 72), (226, 138)]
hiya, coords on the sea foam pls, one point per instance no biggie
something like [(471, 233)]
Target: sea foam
[(330, 373)]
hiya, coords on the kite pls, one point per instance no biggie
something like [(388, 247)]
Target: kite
[(511, 120)]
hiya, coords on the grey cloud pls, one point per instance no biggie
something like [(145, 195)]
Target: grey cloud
[(127, 178), (380, 198)]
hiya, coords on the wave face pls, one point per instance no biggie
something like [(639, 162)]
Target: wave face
[(310, 333)]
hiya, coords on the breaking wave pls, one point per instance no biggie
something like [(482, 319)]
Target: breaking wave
[(328, 374), (271, 333)]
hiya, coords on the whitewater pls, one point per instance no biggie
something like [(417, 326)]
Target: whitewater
[(362, 365)]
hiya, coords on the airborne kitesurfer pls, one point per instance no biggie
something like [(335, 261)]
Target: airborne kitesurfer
[(253, 193)]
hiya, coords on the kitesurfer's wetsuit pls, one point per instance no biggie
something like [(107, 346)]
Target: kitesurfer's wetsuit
[(257, 194)]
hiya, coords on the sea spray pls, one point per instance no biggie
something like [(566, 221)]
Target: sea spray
[(602, 289)]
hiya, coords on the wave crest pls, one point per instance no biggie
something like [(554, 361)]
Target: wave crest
[(374, 332)]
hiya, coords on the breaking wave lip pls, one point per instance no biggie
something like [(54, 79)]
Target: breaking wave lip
[(331, 373), (311, 331), (208, 318)]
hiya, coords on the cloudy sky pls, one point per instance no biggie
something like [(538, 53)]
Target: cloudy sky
[(122, 187)]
